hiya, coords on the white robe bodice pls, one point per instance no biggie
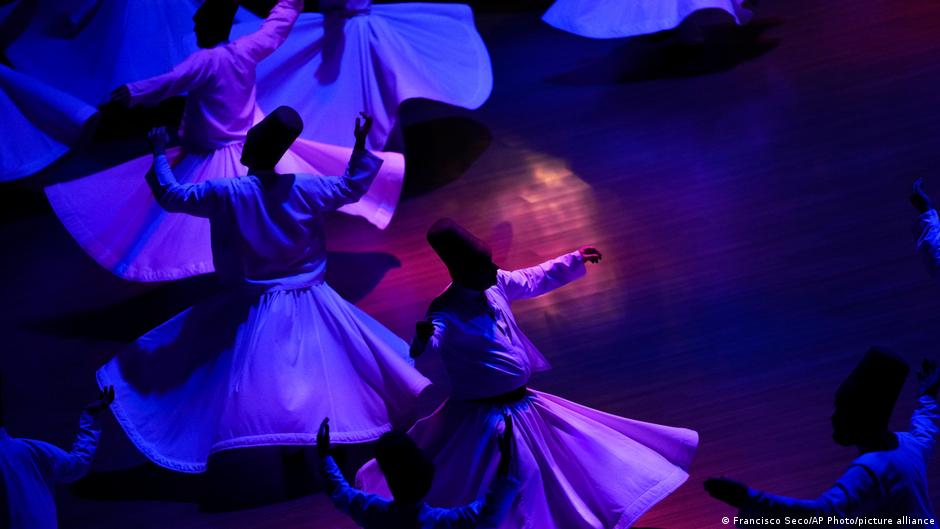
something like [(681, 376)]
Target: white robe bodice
[(484, 350), (220, 83), (267, 232)]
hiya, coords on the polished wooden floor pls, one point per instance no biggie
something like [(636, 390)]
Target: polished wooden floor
[(749, 197)]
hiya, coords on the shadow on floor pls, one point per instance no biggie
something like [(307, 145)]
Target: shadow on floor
[(665, 55), (132, 317), (235, 480), (440, 150), (20, 200), (352, 275), (240, 479)]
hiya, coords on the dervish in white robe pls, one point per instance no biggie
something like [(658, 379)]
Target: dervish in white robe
[(113, 215), (579, 468), (259, 363)]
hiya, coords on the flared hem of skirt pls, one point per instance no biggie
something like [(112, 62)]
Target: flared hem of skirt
[(741, 16), (645, 502), (279, 439), (67, 212)]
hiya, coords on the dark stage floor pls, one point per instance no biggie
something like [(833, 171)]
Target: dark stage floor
[(750, 197)]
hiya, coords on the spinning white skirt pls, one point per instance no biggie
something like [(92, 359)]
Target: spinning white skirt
[(249, 368), (89, 47), (116, 220), (579, 468), (39, 124), (333, 66), (610, 19)]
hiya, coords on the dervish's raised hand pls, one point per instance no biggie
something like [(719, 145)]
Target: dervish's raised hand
[(590, 254), (732, 492), (158, 139), (363, 127), (507, 445), (323, 438), (105, 398), (423, 332)]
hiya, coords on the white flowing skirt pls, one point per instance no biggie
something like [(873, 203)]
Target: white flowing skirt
[(610, 19), (89, 47), (580, 468), (39, 124), (244, 369), (330, 68), (116, 220)]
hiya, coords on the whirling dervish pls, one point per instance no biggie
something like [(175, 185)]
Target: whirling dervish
[(578, 468), (262, 362), (356, 55), (113, 215), (611, 19)]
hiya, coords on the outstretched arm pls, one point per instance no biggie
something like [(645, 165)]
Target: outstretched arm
[(327, 193), (273, 31), (491, 511), (194, 199), (359, 505), (193, 72), (539, 279), (488, 512), (66, 467), (855, 493)]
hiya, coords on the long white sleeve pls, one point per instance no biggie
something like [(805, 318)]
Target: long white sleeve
[(273, 31), (486, 513), (192, 73), (66, 467), (856, 493), (539, 279), (327, 193), (362, 507), (194, 199)]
